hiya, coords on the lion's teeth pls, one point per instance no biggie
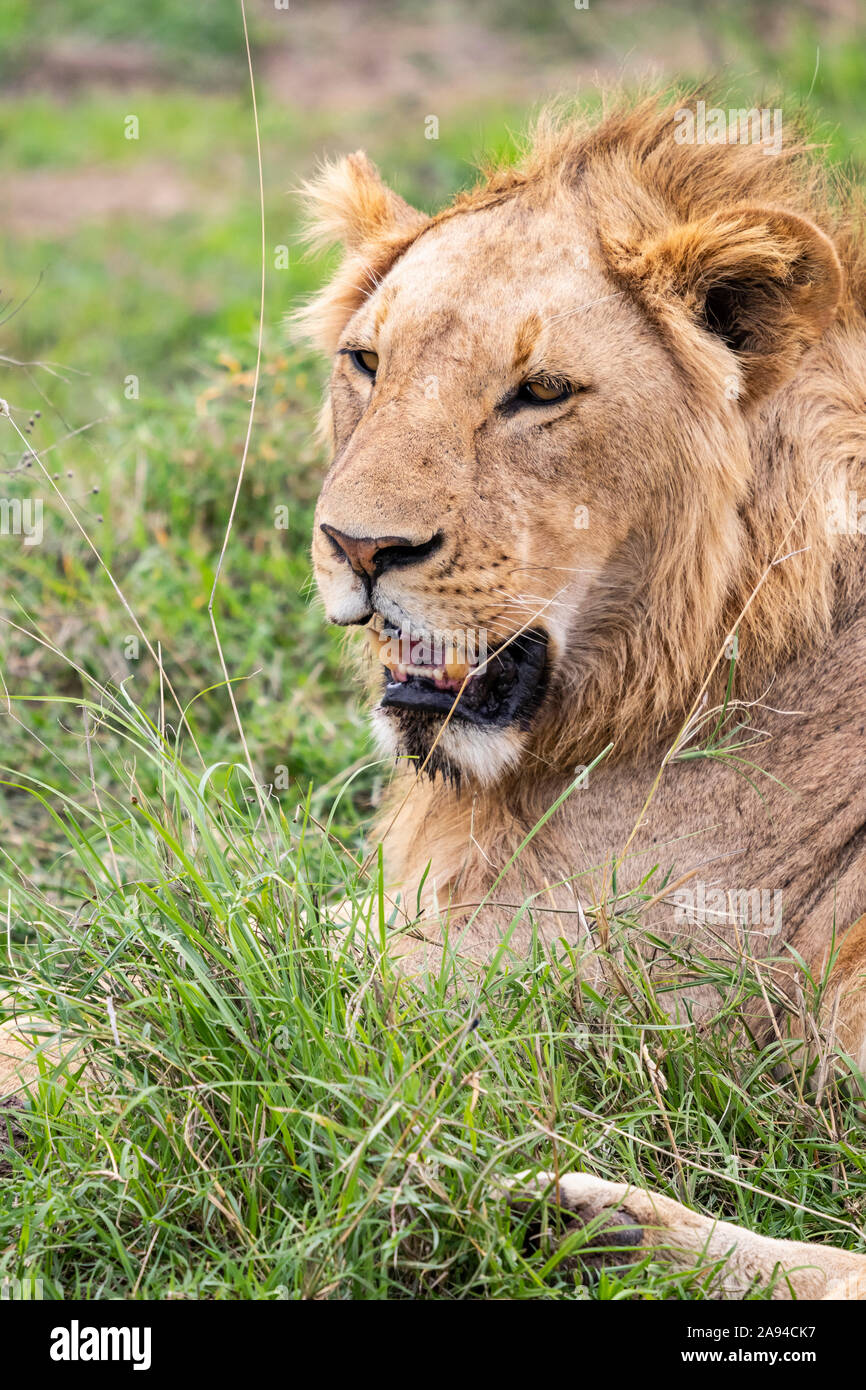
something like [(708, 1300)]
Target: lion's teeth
[(451, 673), (439, 673)]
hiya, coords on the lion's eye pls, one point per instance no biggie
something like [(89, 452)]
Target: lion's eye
[(544, 390), (365, 360)]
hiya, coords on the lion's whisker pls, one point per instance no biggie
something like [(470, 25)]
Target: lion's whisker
[(527, 601), (568, 569)]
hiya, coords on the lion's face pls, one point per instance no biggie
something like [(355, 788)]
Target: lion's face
[(514, 442), (485, 443)]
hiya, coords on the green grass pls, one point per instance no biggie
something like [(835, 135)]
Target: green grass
[(279, 1114)]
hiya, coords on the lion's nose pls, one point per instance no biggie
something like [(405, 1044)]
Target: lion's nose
[(370, 556)]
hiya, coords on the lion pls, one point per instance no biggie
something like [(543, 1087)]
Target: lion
[(599, 450)]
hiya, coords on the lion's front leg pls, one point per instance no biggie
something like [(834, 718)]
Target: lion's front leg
[(689, 1241)]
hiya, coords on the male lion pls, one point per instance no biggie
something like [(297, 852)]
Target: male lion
[(599, 448)]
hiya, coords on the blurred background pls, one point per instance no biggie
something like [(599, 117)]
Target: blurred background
[(129, 227)]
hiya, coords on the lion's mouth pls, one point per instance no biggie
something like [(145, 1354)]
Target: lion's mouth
[(498, 688)]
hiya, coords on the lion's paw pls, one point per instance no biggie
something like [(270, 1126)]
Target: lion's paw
[(587, 1203)]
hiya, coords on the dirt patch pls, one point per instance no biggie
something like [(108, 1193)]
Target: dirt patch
[(53, 202), (345, 60)]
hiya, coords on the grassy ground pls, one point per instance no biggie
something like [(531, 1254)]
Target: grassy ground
[(276, 1115)]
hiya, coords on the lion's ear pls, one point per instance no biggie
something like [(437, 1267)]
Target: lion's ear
[(349, 205), (765, 281)]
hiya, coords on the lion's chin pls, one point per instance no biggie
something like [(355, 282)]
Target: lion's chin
[(460, 752)]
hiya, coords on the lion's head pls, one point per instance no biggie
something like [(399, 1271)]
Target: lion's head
[(546, 500)]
